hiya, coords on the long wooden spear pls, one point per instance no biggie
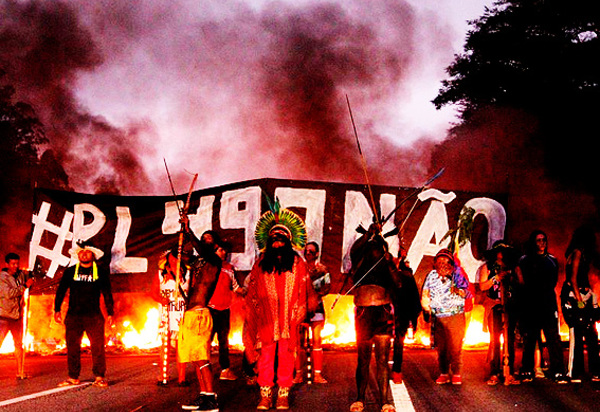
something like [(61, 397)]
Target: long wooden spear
[(363, 162), (371, 197)]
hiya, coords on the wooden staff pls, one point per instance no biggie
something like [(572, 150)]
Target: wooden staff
[(184, 212), (165, 342), (22, 374), (166, 338)]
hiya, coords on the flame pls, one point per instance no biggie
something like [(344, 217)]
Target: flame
[(148, 337), (8, 345), (475, 336), (339, 322), (338, 330)]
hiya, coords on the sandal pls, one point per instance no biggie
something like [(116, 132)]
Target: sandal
[(69, 382), (493, 380), (357, 406), (100, 382)]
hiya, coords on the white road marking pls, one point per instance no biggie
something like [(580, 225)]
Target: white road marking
[(43, 393), (402, 400)]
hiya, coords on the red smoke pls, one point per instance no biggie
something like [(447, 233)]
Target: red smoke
[(45, 47), (227, 91), (499, 153), (233, 92)]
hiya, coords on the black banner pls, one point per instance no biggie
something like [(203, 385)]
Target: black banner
[(134, 230)]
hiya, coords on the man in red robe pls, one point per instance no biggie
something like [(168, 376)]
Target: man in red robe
[(279, 292)]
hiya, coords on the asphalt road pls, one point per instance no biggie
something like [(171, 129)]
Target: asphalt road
[(133, 387)]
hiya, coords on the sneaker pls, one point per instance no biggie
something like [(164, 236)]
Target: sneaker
[(493, 380), (539, 373), (576, 379), (560, 379), (443, 379), (397, 378), (283, 399), (227, 375), (595, 378), (266, 398), (357, 406), (210, 404), (204, 403), (527, 376), (298, 378), (388, 407), (456, 380), (319, 378), (511, 380), (194, 405)]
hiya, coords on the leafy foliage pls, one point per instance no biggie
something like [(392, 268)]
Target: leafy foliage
[(463, 231), (527, 54), (541, 57), (22, 138)]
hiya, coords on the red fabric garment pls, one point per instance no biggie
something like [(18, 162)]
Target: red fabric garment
[(271, 316), (223, 295), (284, 354)]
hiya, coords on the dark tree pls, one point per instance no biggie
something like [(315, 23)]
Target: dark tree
[(22, 139), (541, 57)]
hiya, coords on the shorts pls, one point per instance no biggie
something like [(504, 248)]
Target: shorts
[(371, 321), (193, 341)]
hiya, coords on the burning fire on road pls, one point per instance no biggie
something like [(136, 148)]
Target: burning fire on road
[(140, 331)]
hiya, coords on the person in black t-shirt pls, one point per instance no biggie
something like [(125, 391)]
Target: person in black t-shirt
[(537, 272), (85, 281)]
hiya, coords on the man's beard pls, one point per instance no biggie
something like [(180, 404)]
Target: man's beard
[(279, 259)]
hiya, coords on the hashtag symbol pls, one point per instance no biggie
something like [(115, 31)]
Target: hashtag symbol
[(41, 225)]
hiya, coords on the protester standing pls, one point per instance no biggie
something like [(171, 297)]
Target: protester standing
[(499, 281), (220, 308), (85, 281), (13, 284), (580, 305), (279, 294), (443, 296), (321, 282), (407, 308), (375, 277), (537, 271), (193, 341)]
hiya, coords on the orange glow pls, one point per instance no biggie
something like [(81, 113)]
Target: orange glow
[(475, 336), (141, 330), (8, 345), (146, 338), (339, 322)]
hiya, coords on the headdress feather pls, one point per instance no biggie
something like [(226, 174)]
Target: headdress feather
[(283, 218)]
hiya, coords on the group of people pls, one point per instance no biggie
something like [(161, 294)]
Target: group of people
[(282, 297), (520, 295), (86, 281), (284, 313)]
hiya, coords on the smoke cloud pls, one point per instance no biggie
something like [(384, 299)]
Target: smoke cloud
[(230, 90), (239, 90)]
